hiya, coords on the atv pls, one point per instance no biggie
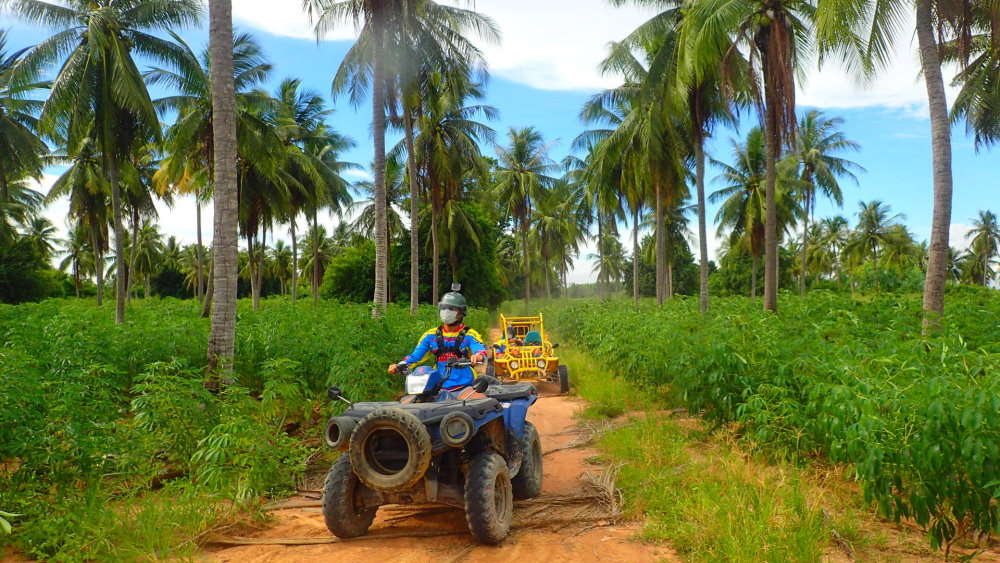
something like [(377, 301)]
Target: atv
[(476, 453)]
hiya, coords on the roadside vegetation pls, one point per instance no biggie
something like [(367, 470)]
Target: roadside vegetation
[(834, 381), (111, 448)]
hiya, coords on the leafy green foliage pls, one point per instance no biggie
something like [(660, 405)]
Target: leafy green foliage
[(101, 423), (849, 379)]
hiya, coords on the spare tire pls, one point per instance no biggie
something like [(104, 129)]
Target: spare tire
[(390, 450)]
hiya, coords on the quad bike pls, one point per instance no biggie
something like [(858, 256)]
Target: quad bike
[(477, 453), (524, 353)]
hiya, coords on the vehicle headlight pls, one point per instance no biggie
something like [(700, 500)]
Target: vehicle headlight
[(514, 365), (540, 364)]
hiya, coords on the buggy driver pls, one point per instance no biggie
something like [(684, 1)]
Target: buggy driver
[(449, 341)]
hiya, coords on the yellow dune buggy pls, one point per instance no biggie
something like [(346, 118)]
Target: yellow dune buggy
[(524, 353)]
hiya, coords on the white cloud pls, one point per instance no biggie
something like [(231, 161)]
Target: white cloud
[(282, 17), (956, 236)]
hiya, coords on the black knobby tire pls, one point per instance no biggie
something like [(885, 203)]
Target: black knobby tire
[(396, 468), (489, 498), (528, 482), (491, 368), (342, 511), (563, 379)]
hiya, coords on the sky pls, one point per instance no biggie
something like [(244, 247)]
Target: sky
[(546, 67)]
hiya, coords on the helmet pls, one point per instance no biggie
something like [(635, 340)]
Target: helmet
[(454, 299)]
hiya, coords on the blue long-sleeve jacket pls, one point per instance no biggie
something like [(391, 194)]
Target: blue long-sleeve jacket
[(472, 345)]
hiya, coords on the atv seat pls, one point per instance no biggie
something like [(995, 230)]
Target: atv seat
[(511, 391), (533, 338)]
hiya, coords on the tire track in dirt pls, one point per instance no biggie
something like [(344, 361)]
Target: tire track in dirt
[(564, 471)]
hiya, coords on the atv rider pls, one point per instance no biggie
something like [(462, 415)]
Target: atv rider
[(449, 341)]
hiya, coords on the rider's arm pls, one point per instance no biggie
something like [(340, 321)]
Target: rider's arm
[(474, 343), (424, 347)]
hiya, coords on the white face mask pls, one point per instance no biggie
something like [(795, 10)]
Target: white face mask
[(448, 316)]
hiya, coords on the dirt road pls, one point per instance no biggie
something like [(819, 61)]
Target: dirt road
[(565, 473)]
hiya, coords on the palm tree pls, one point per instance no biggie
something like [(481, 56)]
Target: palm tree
[(447, 152), (225, 251), (862, 32), (78, 256), (99, 91), (816, 144), (41, 235), (874, 232), (147, 249), (281, 264), (611, 263), (522, 175), (985, 243), (20, 148), (317, 250), (395, 188), (189, 167), (394, 36), (775, 35), (85, 184), (744, 201)]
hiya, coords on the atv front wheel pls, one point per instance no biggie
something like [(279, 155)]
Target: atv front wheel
[(528, 482), (345, 515), (563, 379), (489, 498)]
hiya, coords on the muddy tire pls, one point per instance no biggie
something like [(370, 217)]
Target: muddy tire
[(491, 368), (390, 450), (528, 482), (563, 379), (489, 498), (344, 516)]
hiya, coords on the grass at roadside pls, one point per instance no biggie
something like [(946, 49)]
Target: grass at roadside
[(703, 494)]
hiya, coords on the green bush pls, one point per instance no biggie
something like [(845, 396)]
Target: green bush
[(849, 379)]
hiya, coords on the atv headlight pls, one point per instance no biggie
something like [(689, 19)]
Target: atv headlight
[(540, 364), (514, 365), (416, 384)]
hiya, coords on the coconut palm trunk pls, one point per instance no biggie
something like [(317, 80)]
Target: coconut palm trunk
[(121, 277), (771, 211), (200, 276), (660, 245), (98, 263), (378, 133), (411, 172), (937, 264), (295, 262), (253, 263), (317, 247), (699, 157), (436, 261), (807, 212), (755, 265), (222, 337), (527, 259), (130, 274), (635, 254)]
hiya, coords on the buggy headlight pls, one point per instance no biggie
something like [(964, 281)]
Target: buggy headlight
[(540, 364), (514, 365)]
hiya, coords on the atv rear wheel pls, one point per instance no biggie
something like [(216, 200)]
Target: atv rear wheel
[(345, 515), (489, 498), (390, 450), (528, 482), (563, 379)]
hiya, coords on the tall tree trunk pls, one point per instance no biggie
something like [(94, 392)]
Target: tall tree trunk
[(411, 171), (121, 276), (76, 278), (200, 276), (660, 245), (670, 279), (600, 255), (98, 263), (147, 288), (635, 254), (699, 155), (317, 245), (378, 132), (937, 264), (295, 262), (436, 261), (130, 277), (770, 212), (254, 263), (206, 307), (527, 259), (222, 337), (755, 261), (548, 274), (805, 241)]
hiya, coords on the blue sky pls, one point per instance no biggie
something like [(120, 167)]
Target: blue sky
[(546, 67)]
